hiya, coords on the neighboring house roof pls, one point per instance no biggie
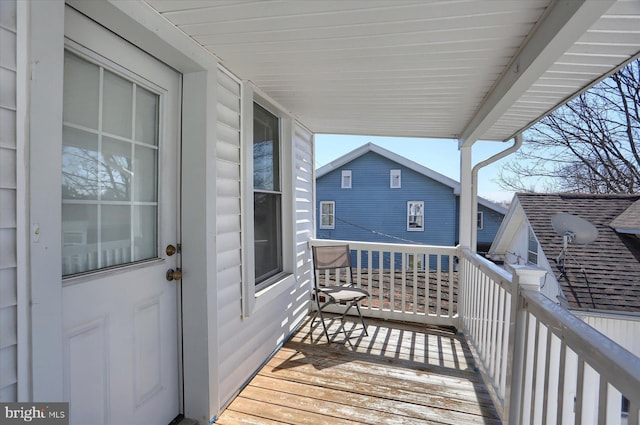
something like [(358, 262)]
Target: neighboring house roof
[(602, 275), (628, 221), (371, 147)]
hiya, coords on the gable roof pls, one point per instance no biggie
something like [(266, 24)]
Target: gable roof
[(405, 162), (602, 275), (628, 221)]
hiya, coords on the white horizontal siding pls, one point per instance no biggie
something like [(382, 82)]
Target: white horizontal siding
[(245, 343), (8, 205), (303, 157), (625, 332)]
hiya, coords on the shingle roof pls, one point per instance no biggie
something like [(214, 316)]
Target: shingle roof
[(603, 275), (629, 220)]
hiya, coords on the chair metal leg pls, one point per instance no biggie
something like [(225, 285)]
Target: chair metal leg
[(319, 313), (364, 327)]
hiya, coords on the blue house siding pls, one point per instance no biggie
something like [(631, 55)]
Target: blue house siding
[(372, 211), (492, 220)]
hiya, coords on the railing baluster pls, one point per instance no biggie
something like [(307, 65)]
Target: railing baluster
[(504, 343), (525, 383), (438, 285), (603, 392), (561, 375), (381, 279), (392, 280), (415, 290), (634, 413), (545, 387), (403, 289), (534, 372), (579, 391), (451, 303)]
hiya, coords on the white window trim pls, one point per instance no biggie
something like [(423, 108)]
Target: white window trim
[(392, 174), (421, 229), (480, 219), (333, 213), (346, 184), (254, 299)]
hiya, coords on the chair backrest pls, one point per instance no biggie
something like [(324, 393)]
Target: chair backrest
[(331, 257)]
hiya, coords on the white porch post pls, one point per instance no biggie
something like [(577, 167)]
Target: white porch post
[(199, 294), (466, 192)]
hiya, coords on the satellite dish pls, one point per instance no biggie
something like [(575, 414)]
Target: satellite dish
[(576, 229)]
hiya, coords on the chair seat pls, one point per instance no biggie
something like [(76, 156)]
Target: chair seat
[(344, 293)]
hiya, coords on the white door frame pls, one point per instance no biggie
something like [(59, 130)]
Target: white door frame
[(132, 21)]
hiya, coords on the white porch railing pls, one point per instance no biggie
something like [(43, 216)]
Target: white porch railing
[(543, 364), (414, 283)]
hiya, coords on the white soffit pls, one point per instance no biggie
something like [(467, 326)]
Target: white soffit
[(403, 68)]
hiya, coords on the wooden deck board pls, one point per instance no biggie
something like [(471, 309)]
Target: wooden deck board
[(399, 374)]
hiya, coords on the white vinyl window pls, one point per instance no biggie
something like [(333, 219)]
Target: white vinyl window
[(480, 219), (346, 179), (109, 168), (532, 254), (267, 195), (415, 216), (327, 215), (395, 177)]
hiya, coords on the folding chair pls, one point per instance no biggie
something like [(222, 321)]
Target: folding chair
[(336, 257)]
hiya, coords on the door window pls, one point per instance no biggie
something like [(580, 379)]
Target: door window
[(109, 168)]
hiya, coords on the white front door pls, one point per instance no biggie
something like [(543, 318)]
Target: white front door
[(120, 201)]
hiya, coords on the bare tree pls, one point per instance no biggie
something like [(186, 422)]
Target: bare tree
[(591, 144)]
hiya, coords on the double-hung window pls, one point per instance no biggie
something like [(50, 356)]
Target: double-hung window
[(395, 179), (480, 220), (327, 215), (267, 196), (415, 216), (346, 179)]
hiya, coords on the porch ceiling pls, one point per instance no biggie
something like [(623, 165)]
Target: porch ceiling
[(458, 69)]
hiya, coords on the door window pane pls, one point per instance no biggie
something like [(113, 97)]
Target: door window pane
[(80, 164), (146, 170), (109, 183), (146, 117), (116, 172), (117, 105), (145, 241), (115, 233), (79, 238), (81, 91)]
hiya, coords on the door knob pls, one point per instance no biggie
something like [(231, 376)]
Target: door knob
[(174, 274)]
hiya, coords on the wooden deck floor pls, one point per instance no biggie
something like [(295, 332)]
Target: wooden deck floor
[(399, 374)]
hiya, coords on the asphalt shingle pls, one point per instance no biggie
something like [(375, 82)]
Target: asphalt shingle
[(602, 275)]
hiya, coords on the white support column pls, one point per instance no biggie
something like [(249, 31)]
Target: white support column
[(466, 190), (199, 294)]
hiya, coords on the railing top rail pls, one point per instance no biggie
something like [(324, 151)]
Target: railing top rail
[(388, 247), (619, 366), (493, 271)]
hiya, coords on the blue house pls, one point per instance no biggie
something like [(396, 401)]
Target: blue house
[(372, 194)]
